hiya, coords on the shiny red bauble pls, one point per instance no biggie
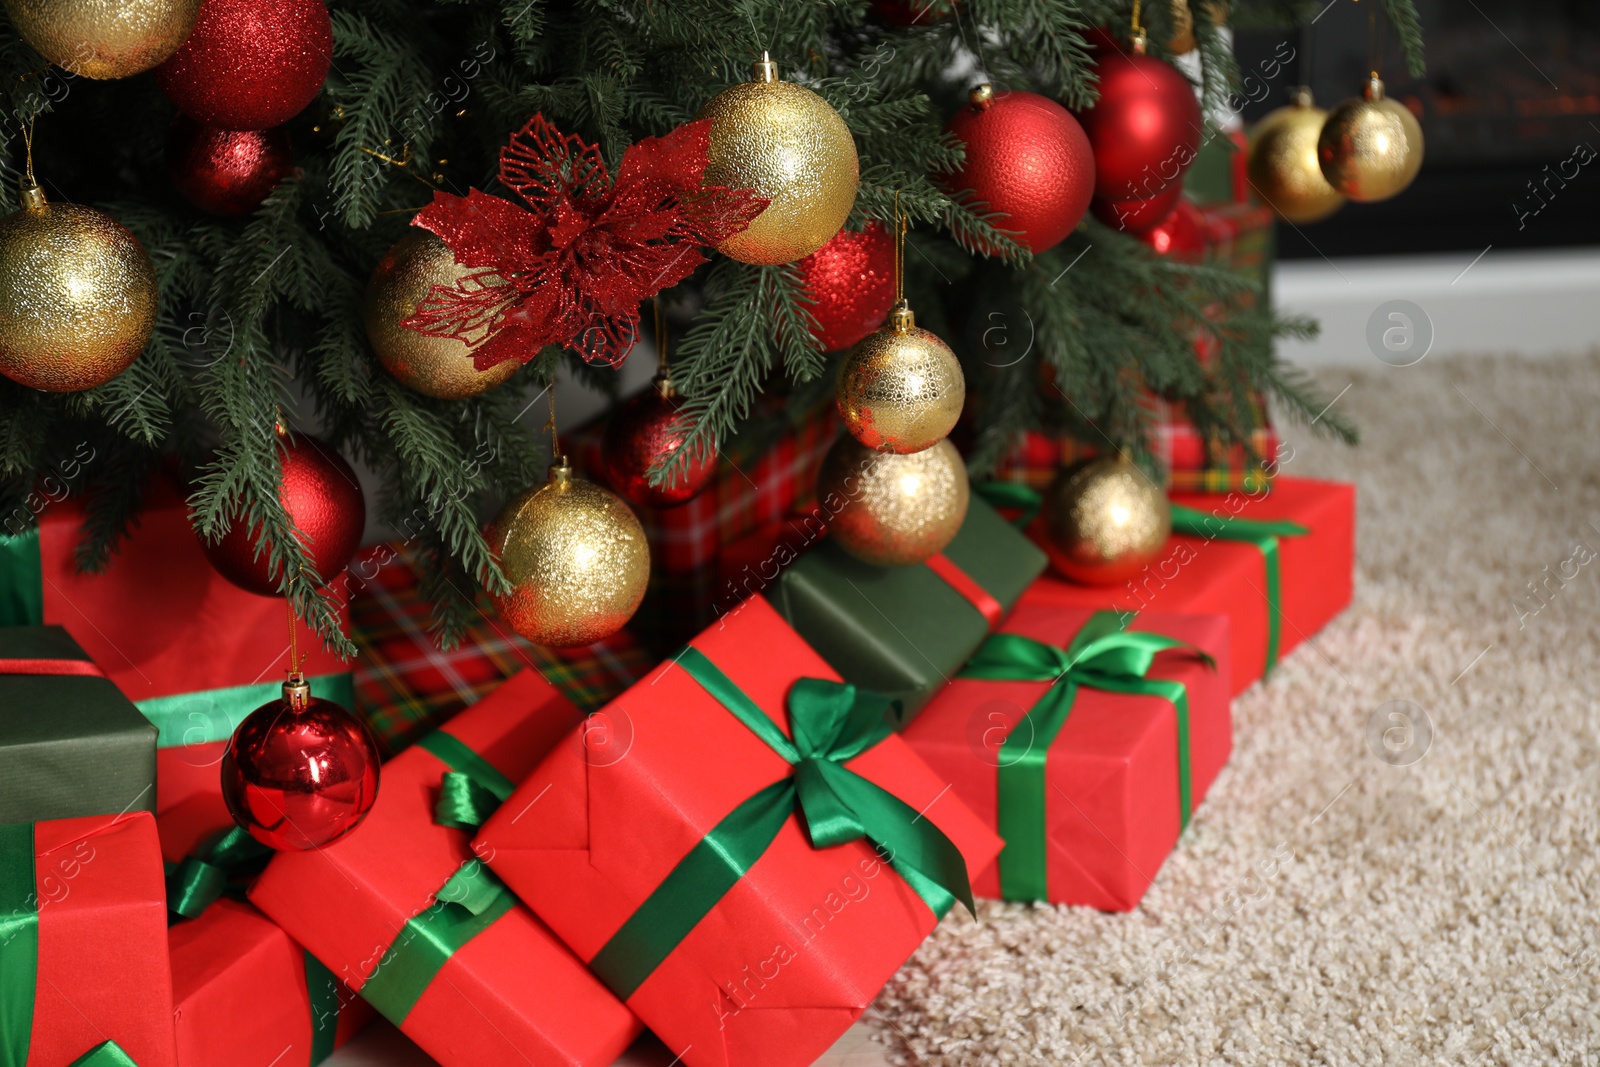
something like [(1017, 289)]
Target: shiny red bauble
[(1145, 128), (646, 429), (1027, 159), (1180, 236), (226, 172), (908, 12), (300, 772), (851, 280), (250, 64), (1137, 216), (324, 501)]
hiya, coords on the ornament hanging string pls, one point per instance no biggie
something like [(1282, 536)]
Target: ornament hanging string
[(661, 336), (1138, 30), (899, 251), (555, 440)]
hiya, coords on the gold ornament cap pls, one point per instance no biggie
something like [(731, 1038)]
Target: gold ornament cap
[(296, 692), (901, 319), (1374, 89), (32, 197), (981, 97), (1138, 43), (764, 69)]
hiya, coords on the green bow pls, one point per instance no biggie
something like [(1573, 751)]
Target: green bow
[(224, 860), (831, 724), (105, 1054), (471, 789), (1101, 656), (1264, 536)]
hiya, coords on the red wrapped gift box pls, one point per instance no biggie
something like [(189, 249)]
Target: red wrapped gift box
[(371, 904), (84, 953), (1108, 803), (766, 962)]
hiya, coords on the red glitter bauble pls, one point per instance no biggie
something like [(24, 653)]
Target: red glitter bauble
[(1028, 159), (300, 772), (646, 429), (1180, 236), (250, 64), (851, 278), (1137, 216), (1145, 128), (324, 501), (225, 172)]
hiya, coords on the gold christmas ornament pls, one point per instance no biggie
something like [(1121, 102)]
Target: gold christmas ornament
[(431, 365), (1283, 163), (576, 558), (893, 510), (1104, 521), (1370, 147), (786, 143), (77, 295), (104, 38), (901, 388)]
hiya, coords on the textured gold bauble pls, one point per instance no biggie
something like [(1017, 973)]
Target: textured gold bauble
[(104, 38), (893, 510), (1283, 163), (1104, 521), (77, 296), (433, 366), (901, 388), (576, 558), (1370, 147), (786, 143)]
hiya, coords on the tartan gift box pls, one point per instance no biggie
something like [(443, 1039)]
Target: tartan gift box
[(1240, 236), (755, 856)]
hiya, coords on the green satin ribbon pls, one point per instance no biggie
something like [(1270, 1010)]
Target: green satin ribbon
[(209, 715), (21, 579), (1264, 536), (471, 790), (19, 942), (832, 723), (105, 1054), (226, 858), (1025, 499), (1101, 656), (323, 992)]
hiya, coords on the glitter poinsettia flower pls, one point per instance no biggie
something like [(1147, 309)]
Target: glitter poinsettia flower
[(572, 267)]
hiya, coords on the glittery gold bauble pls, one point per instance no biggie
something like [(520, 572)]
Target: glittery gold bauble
[(786, 143), (1104, 521), (576, 558), (104, 38), (77, 296), (1283, 163), (1370, 147), (433, 366), (893, 510), (901, 388)]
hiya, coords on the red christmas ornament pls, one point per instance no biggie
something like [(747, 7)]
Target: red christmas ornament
[(300, 772), (851, 280), (1145, 128), (1028, 159), (324, 501), (573, 266), (648, 428), (1137, 216), (910, 12), (226, 172), (1180, 236), (250, 64)]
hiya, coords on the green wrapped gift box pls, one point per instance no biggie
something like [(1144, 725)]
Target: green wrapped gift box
[(905, 631), (70, 743)]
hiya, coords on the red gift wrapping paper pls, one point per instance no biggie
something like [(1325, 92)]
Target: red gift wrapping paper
[(794, 952), (1112, 808), (512, 994)]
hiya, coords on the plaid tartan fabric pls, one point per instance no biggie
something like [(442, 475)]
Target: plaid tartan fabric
[(405, 686), (1240, 236)]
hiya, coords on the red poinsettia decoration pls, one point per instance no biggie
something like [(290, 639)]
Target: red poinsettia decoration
[(573, 266)]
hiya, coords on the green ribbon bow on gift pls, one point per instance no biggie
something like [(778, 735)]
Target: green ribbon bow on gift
[(1101, 656), (105, 1054), (832, 723), (471, 790)]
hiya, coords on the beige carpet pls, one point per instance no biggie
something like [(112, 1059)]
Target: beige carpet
[(1327, 906)]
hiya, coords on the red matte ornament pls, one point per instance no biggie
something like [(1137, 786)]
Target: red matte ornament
[(226, 172), (1181, 235), (1137, 216), (851, 280), (1145, 128), (646, 429), (250, 64)]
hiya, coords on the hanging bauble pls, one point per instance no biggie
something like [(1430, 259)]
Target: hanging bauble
[(851, 280), (645, 430), (1104, 521), (1181, 235), (250, 64), (431, 364), (1027, 159), (910, 12), (893, 510), (1283, 163), (77, 295), (226, 172), (300, 772), (1370, 147), (786, 143), (576, 559), (104, 38), (901, 388), (1145, 127), (1137, 216), (324, 502)]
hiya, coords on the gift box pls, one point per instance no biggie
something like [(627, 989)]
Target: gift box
[(70, 742), (1280, 566), (903, 631), (403, 912), (83, 941), (1087, 739), (708, 860)]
